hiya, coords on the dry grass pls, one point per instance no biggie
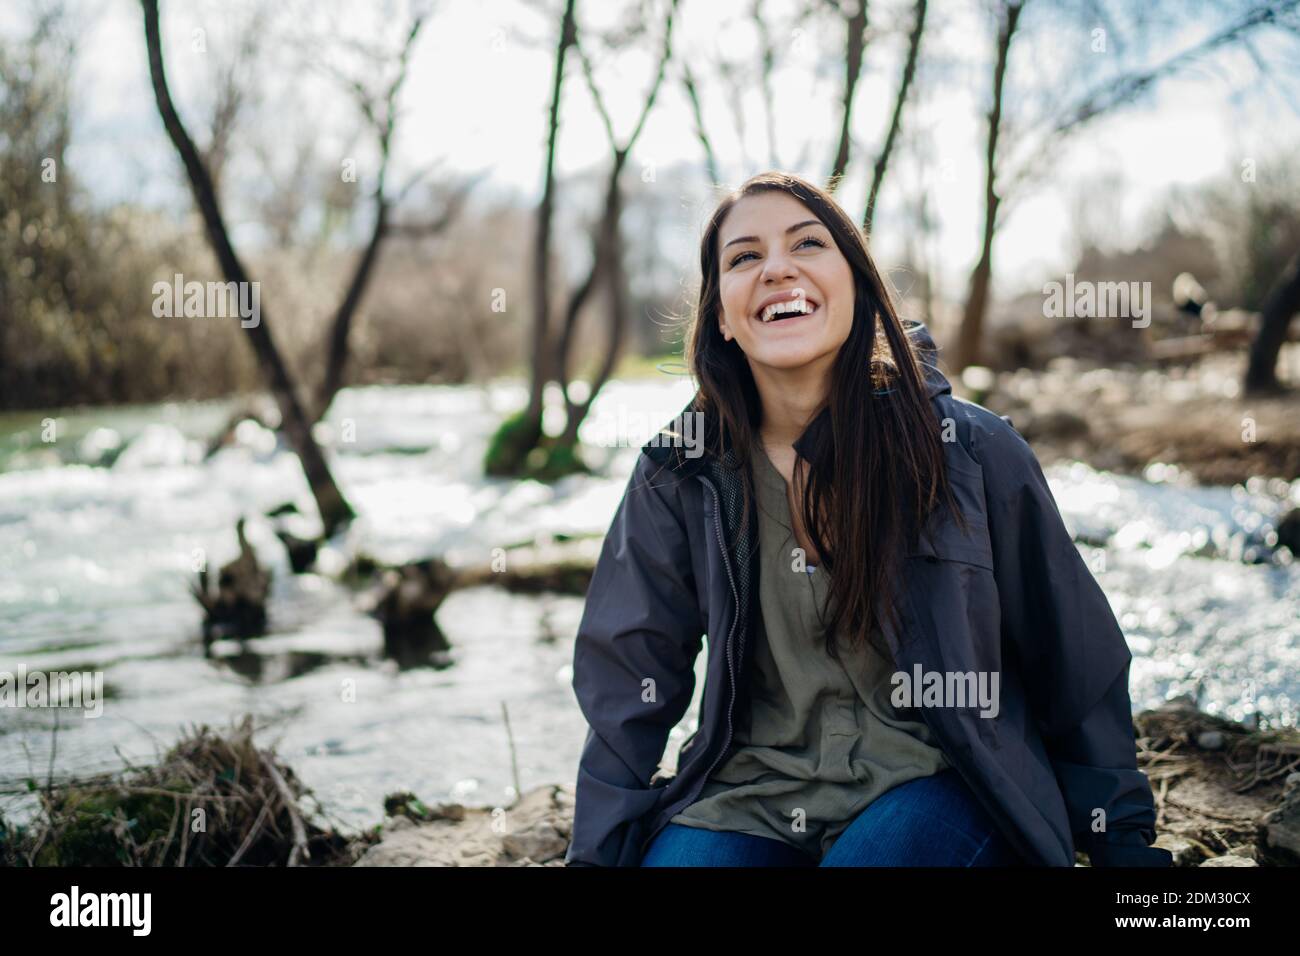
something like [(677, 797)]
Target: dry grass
[(212, 800), (1214, 797)]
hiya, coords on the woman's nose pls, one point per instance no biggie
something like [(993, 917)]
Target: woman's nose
[(778, 266)]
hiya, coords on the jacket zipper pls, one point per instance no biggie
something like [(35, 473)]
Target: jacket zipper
[(731, 673)]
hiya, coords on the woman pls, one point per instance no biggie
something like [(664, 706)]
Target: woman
[(909, 663)]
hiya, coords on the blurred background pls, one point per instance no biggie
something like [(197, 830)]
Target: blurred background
[(365, 510)]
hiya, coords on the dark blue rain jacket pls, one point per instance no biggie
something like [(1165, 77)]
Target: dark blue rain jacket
[(1056, 767)]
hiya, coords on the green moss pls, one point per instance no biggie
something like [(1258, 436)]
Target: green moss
[(519, 449), (552, 461), (91, 819), (510, 445)]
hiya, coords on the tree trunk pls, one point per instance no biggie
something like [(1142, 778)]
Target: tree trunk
[(896, 121), (543, 367), (854, 44), (1282, 303), (610, 262), (977, 298), (336, 362), (334, 509)]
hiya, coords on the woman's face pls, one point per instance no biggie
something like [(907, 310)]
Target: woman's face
[(761, 259)]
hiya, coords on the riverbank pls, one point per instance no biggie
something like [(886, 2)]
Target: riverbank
[(1226, 795), (1131, 419)]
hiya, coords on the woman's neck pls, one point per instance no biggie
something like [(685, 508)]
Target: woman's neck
[(790, 399)]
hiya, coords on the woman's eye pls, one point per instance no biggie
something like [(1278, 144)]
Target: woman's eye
[(813, 239)]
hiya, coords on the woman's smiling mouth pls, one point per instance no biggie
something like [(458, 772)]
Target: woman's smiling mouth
[(789, 310)]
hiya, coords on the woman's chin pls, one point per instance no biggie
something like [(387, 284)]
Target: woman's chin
[(788, 356)]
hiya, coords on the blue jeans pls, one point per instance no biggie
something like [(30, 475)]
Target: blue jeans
[(930, 821)]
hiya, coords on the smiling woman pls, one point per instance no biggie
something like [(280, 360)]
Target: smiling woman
[(778, 284), (848, 521), (780, 246)]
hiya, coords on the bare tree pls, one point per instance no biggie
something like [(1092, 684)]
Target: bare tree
[(334, 509), (701, 133), (856, 38), (608, 254), (855, 42), (896, 118), (767, 66), (520, 434), (552, 354), (1280, 306), (378, 105), (1070, 115), (972, 323), (230, 97)]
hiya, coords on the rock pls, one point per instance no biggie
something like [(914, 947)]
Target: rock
[(541, 841), (1280, 827), (1210, 740), (1210, 798), (533, 832), (449, 811), (1230, 860), (1186, 852)]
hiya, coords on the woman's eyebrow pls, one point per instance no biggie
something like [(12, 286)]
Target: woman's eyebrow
[(794, 228)]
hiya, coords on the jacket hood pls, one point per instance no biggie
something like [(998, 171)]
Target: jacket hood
[(665, 448)]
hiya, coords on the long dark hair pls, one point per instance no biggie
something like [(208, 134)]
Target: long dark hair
[(875, 467)]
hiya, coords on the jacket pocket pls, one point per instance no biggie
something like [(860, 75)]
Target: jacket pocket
[(948, 544)]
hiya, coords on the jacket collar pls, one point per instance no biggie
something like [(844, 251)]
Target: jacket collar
[(665, 448)]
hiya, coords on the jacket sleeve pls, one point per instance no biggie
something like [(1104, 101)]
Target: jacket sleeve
[(633, 667), (1072, 653)]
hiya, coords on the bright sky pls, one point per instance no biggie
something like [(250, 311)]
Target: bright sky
[(478, 91)]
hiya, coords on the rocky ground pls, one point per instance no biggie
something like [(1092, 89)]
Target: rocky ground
[(1226, 795), (534, 832), (1126, 419)]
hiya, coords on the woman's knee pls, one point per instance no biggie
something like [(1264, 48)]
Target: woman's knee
[(928, 821), (681, 845)]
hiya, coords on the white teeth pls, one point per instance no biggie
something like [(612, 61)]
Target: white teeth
[(790, 305)]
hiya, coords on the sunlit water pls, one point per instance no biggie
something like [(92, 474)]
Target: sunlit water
[(100, 529)]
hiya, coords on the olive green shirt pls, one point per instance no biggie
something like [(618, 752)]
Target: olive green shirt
[(821, 739)]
